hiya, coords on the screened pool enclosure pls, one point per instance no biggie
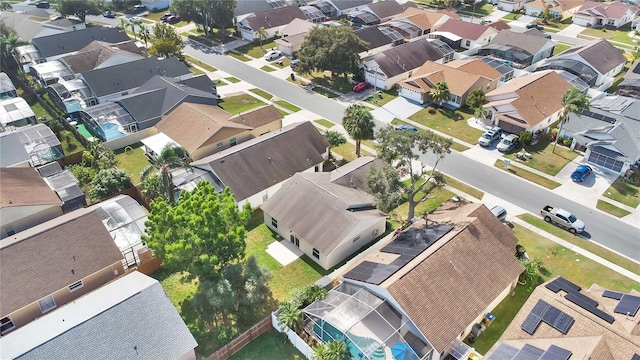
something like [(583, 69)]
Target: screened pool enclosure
[(108, 121)]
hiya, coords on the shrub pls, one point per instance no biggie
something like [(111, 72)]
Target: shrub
[(109, 182)]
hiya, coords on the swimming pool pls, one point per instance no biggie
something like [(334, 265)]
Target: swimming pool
[(109, 131), (331, 333)]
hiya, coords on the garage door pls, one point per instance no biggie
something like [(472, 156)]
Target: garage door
[(606, 162), (509, 127)]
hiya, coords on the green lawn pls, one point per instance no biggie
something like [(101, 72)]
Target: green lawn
[(340, 84), (133, 161), (458, 147), (232, 80), (585, 244), (288, 106), (177, 290), (195, 61), (268, 346), (438, 196), (387, 95), (611, 209), (196, 71), (511, 16), (324, 92), (238, 56), (560, 47), (263, 94), (450, 122), (70, 144), (267, 68), (540, 180), (481, 9), (348, 151), (464, 187), (620, 35), (627, 193), (40, 111), (239, 103), (255, 50), (543, 159), (323, 122)]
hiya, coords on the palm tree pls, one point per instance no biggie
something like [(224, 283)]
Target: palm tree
[(439, 93), (573, 102), (333, 350), (145, 35), (478, 113), (358, 122), (9, 43), (134, 25), (262, 34), (290, 315), (170, 157), (124, 24)]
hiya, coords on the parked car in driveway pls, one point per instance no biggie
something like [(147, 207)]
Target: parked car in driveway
[(535, 26), (406, 127), (361, 86), (508, 143), (272, 55), (109, 14), (43, 5), (490, 136), (135, 19), (580, 173), (294, 62)]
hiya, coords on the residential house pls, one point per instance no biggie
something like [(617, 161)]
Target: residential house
[(461, 78), (51, 72), (271, 21), (156, 5), (429, 285), (29, 25), (53, 264), (100, 54), (15, 113), (569, 321), (349, 218), (338, 8), (7, 89), (256, 169), (630, 86), (26, 200), (510, 5), (608, 133), (65, 185), (519, 49), (203, 130), (469, 35), (53, 47), (32, 145), (131, 317), (608, 14), (378, 12), (530, 102), (246, 7), (500, 25), (596, 62), (68, 24), (415, 22), (378, 39), (293, 36), (560, 9), (391, 66)]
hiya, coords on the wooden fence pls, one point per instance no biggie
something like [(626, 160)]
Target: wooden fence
[(242, 340)]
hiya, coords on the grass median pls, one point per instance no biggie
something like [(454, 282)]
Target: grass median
[(527, 175)]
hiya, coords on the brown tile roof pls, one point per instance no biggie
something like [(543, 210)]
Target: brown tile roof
[(556, 5), (257, 164), (425, 19), (194, 125), (533, 97), (466, 30), (429, 74), (25, 187), (500, 25), (275, 17), (50, 256), (257, 117), (612, 10), (443, 290), (476, 66), (588, 338)]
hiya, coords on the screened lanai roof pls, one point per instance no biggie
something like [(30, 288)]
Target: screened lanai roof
[(41, 144), (517, 54), (504, 69), (390, 33), (403, 26), (365, 17), (28, 53), (52, 70), (584, 71), (109, 112), (370, 325), (6, 85), (75, 89), (312, 13), (124, 219), (15, 109), (574, 80), (324, 6)]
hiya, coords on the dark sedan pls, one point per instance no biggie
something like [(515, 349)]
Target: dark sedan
[(581, 173)]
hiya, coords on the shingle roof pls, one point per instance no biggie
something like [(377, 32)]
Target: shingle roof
[(373, 37), (94, 54), (385, 9), (476, 66), (607, 10), (600, 54), (445, 292), (406, 57), (429, 74), (24, 187), (119, 78), (348, 4), (194, 125), (275, 17), (466, 30), (53, 255), (532, 44), (260, 163), (72, 41), (500, 25), (244, 7), (257, 117), (131, 317)]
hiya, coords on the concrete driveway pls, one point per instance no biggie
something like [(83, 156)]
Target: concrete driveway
[(587, 192), (400, 108)]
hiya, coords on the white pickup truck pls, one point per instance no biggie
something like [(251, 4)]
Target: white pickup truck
[(562, 218)]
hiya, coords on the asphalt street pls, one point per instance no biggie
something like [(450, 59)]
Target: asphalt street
[(600, 228)]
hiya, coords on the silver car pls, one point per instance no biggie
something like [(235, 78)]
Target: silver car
[(490, 136), (508, 143)]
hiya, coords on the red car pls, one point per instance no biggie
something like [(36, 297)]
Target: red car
[(360, 86)]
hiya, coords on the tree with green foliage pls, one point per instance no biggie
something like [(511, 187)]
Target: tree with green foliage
[(385, 186), (262, 35), (9, 41), (109, 182), (358, 121), (546, 14), (439, 93), (203, 233), (123, 25), (167, 42), (525, 138), (206, 13), (333, 48), (99, 157), (79, 8), (5, 6), (335, 138), (145, 35), (171, 157), (401, 151), (151, 188), (134, 25), (573, 102), (476, 98), (479, 113), (332, 350), (290, 315)]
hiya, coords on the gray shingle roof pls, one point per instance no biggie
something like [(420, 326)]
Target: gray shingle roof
[(532, 44), (250, 6), (130, 318), (600, 54), (12, 150), (275, 17), (260, 163), (406, 57), (71, 41), (119, 78), (348, 4), (383, 9), (373, 36)]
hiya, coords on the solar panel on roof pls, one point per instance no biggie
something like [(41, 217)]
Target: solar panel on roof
[(503, 352), (579, 300), (414, 241), (529, 352), (635, 357), (556, 353), (612, 295), (531, 323), (628, 305)]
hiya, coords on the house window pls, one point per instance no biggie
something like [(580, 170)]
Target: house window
[(233, 142), (47, 304), (356, 238), (6, 325), (220, 144), (316, 253), (611, 22), (274, 223), (75, 286), (468, 43)]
